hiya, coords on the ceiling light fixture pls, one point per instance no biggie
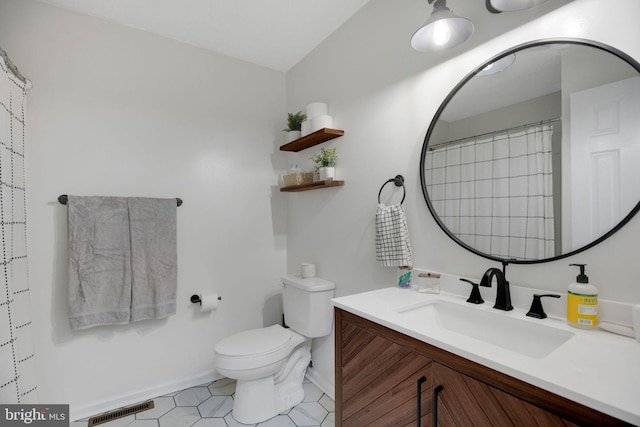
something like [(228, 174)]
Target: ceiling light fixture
[(443, 30), (497, 66), (498, 6)]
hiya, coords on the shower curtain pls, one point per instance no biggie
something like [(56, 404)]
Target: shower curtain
[(17, 370), (495, 192)]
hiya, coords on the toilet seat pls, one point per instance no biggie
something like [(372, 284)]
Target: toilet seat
[(256, 347)]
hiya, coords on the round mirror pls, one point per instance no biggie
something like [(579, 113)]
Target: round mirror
[(535, 155)]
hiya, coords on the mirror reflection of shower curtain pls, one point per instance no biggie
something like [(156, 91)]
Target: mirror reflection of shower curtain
[(495, 192), (17, 362)]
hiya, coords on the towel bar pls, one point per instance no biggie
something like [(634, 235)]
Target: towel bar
[(63, 199)]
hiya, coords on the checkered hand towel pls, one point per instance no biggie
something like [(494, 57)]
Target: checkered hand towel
[(393, 248)]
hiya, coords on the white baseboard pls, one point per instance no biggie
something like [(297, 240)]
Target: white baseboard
[(79, 412), (327, 388)]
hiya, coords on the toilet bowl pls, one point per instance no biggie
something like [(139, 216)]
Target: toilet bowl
[(256, 353), (269, 363)]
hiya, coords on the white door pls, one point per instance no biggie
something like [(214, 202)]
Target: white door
[(605, 159)]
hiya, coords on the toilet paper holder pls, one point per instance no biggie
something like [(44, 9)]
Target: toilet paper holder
[(196, 299)]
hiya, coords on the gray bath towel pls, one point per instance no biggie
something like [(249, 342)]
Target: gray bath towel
[(153, 257), (99, 261)]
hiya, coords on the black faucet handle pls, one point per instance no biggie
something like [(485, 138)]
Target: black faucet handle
[(475, 297), (536, 309)]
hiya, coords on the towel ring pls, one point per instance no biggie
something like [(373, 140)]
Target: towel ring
[(398, 181)]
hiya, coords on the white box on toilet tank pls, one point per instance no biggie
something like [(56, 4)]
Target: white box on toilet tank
[(307, 305)]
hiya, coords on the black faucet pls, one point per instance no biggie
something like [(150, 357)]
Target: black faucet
[(503, 296)]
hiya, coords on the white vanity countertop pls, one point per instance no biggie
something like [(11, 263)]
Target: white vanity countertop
[(598, 369)]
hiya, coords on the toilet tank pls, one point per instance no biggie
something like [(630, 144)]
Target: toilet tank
[(307, 305)]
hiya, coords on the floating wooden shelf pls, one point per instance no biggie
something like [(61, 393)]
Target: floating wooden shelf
[(315, 138), (313, 186)]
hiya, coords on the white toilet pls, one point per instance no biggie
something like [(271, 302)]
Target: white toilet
[(269, 364)]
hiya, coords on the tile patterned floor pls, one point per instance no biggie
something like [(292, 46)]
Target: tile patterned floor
[(209, 405)]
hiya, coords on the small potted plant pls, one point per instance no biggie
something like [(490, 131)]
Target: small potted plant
[(325, 163), (294, 125)]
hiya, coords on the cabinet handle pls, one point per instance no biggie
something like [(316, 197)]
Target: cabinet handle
[(434, 412), (419, 394)]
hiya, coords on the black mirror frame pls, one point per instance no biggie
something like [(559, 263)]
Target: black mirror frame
[(584, 42)]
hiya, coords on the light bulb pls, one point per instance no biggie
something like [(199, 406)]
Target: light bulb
[(488, 68), (441, 32)]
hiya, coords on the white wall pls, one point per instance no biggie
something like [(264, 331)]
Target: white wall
[(384, 95), (115, 111)]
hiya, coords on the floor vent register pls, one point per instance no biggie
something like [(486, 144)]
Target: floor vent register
[(120, 413)]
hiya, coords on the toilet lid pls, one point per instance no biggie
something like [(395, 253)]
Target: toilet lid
[(254, 342)]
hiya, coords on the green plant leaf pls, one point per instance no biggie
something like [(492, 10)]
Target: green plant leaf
[(294, 121), (325, 158)]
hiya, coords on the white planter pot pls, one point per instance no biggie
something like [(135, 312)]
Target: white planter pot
[(327, 173), (293, 135)]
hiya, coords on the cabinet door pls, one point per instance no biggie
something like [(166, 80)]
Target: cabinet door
[(465, 401), (381, 381)]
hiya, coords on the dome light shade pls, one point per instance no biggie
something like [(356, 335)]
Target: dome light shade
[(443, 30), (497, 6), (497, 66)]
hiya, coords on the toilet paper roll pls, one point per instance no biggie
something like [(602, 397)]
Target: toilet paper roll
[(305, 128), (316, 109), (209, 302), (320, 122), (307, 270)]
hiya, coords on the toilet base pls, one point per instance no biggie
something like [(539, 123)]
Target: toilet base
[(259, 400), (252, 403)]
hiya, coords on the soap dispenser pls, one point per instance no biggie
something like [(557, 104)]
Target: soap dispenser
[(582, 302)]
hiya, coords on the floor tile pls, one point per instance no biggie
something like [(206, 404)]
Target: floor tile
[(210, 422), (161, 405), (311, 392), (330, 421), (231, 422), (279, 421), (181, 416), (210, 405), (327, 403), (192, 396), (216, 407), (143, 423), (223, 387), (308, 414)]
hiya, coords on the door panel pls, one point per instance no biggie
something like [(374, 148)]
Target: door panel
[(465, 401), (380, 381)]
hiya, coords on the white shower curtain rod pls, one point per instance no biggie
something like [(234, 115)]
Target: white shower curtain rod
[(496, 132), (14, 69)]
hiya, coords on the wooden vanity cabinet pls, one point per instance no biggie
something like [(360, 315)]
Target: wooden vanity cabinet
[(380, 380), (465, 401), (381, 375)]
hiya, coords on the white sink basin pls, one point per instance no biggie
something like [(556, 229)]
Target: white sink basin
[(493, 327)]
